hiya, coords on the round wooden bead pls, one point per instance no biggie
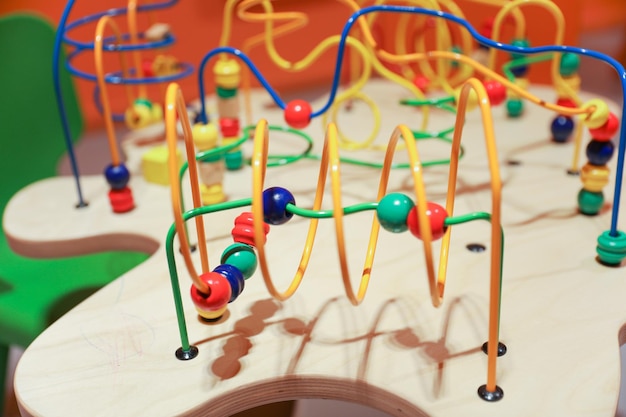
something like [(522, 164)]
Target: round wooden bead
[(275, 200), (234, 277), (590, 202), (139, 114), (571, 83), (594, 178), (229, 127), (599, 116), (607, 130), (569, 64), (519, 70), (121, 200), (436, 215), (211, 305), (227, 73), (392, 212), (117, 176), (204, 136), (561, 128), (472, 99), (496, 92), (241, 256), (522, 43), (422, 82), (514, 107), (599, 152), (298, 114), (243, 232)]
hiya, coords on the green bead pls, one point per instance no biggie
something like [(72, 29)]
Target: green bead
[(234, 160), (523, 43), (590, 202), (393, 210), (457, 50), (226, 92), (143, 102), (514, 107), (242, 257), (611, 250), (569, 64)]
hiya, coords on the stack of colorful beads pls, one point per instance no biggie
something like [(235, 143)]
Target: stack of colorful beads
[(120, 195), (602, 125), (227, 79)]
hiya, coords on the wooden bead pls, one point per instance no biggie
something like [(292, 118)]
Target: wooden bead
[(275, 200), (211, 173), (607, 130), (496, 92), (594, 178), (298, 114), (117, 176), (241, 256), (392, 212), (212, 194), (229, 127), (599, 116), (227, 73), (436, 216), (571, 83), (243, 232), (472, 99), (561, 128), (590, 202), (234, 277), (599, 152), (217, 296), (139, 114), (204, 136), (121, 200)]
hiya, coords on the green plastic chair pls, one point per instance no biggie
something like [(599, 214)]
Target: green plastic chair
[(33, 292)]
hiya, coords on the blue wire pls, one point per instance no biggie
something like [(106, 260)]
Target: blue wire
[(56, 53)]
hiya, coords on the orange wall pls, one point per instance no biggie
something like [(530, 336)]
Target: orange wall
[(197, 26)]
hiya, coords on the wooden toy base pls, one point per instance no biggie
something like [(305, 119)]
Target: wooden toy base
[(562, 315)]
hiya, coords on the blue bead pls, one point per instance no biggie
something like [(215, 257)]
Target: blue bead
[(275, 200), (117, 176), (234, 277), (561, 128), (519, 71), (599, 152)]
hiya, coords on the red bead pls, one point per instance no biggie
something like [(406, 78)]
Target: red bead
[(487, 27), (422, 82), (298, 114), (229, 127), (243, 232), (146, 68), (608, 130), (496, 92), (565, 102), (218, 295), (121, 200), (436, 215)]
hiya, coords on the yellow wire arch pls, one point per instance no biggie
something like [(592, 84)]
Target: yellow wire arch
[(175, 105)]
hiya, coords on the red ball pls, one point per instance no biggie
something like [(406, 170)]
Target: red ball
[(298, 114), (486, 28), (243, 232), (436, 215), (608, 130), (121, 200), (422, 82), (146, 68), (218, 295), (496, 92)]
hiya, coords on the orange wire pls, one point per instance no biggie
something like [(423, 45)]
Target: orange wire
[(175, 104), (106, 107)]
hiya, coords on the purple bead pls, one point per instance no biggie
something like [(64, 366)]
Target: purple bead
[(599, 152), (561, 128), (275, 200), (235, 279), (117, 176)]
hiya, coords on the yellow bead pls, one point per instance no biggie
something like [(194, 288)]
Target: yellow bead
[(572, 82), (212, 314), (227, 73), (599, 116), (154, 165), (228, 140), (594, 178), (522, 83), (157, 113), (472, 99), (212, 194), (204, 136), (138, 116)]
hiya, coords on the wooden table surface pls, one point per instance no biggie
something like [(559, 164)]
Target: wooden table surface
[(561, 310)]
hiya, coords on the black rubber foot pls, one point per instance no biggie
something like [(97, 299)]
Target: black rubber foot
[(186, 355), (476, 247), (489, 395), (501, 348), (573, 172), (82, 204)]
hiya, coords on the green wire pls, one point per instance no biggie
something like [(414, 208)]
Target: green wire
[(522, 61)]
